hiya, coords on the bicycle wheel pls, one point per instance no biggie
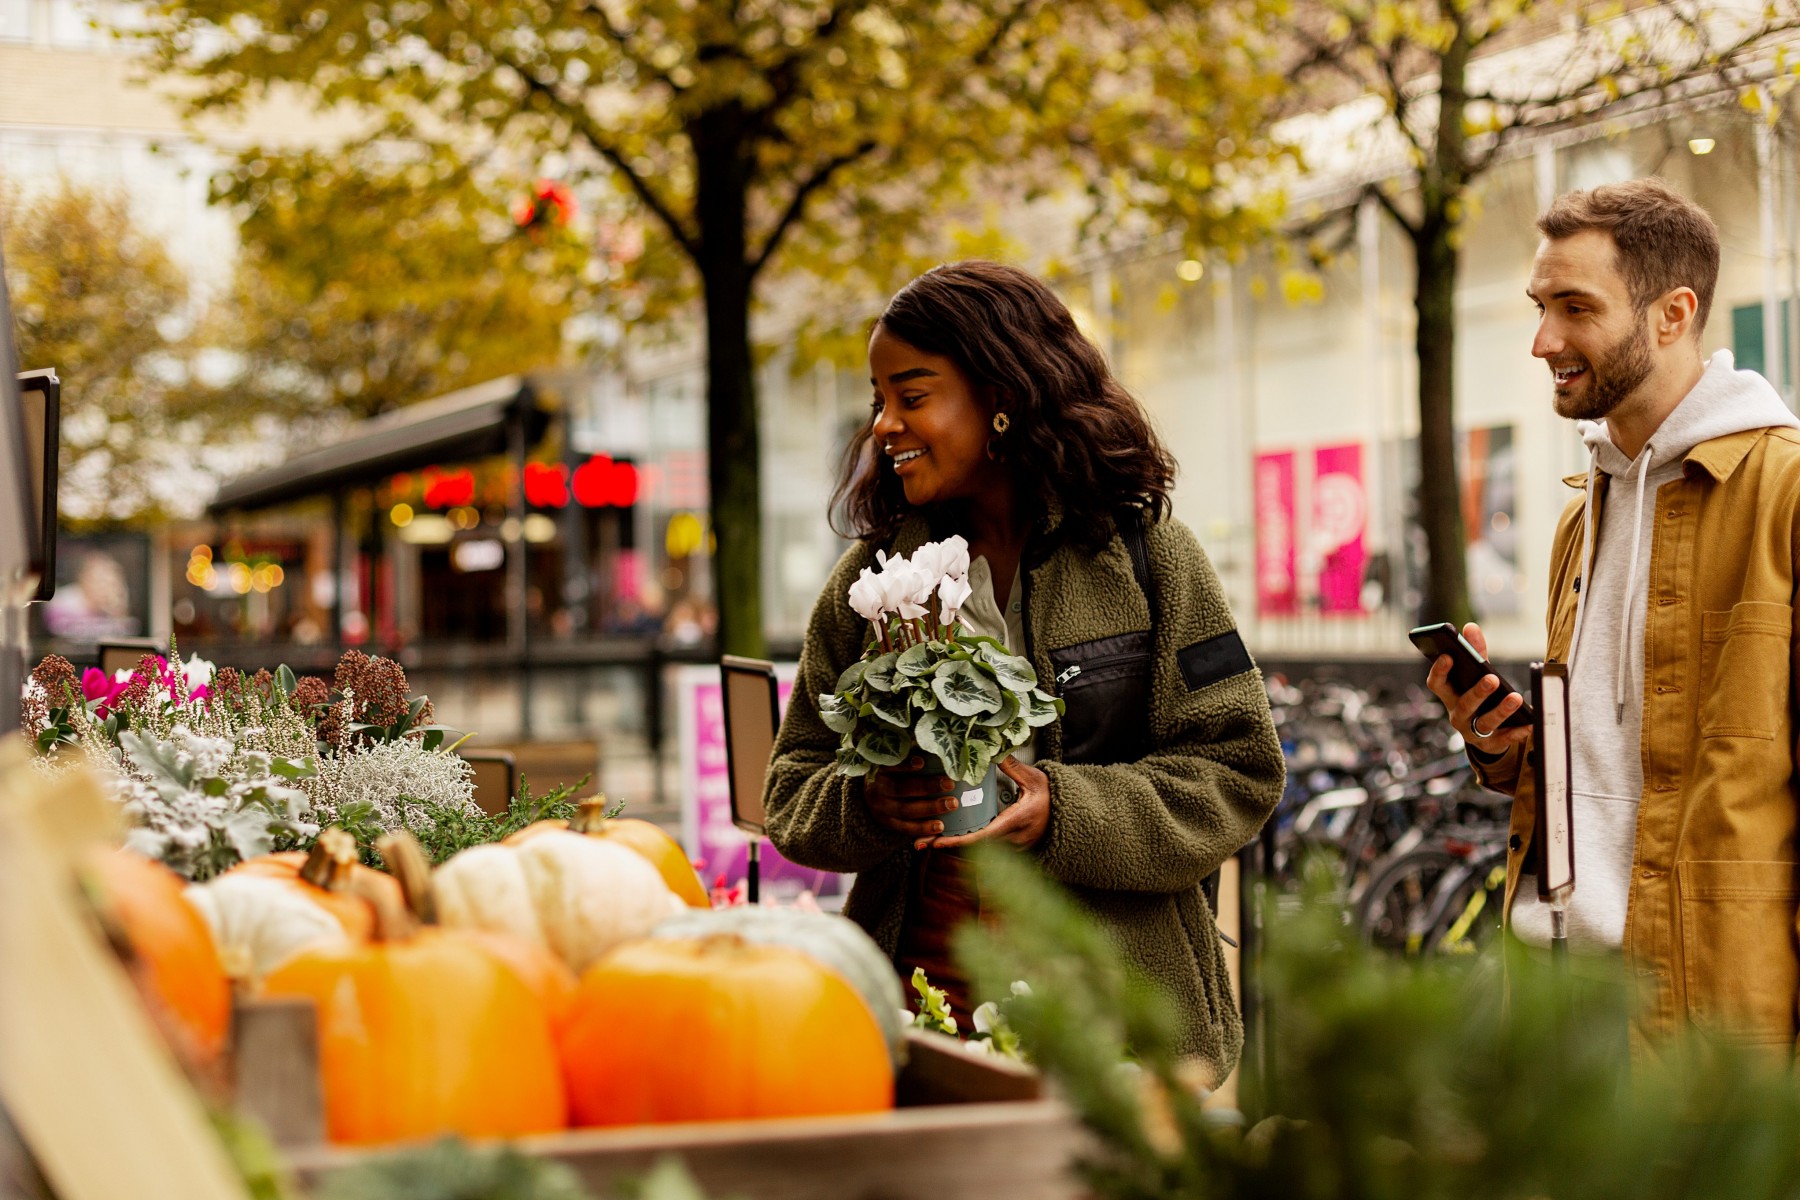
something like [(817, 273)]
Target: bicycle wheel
[(1466, 915), (1396, 908)]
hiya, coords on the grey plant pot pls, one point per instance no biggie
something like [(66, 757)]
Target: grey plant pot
[(979, 804)]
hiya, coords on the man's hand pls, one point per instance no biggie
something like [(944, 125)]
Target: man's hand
[(1462, 708), (1023, 822), (908, 799)]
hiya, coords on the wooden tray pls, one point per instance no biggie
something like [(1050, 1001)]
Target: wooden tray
[(92, 1073), (968, 1128)]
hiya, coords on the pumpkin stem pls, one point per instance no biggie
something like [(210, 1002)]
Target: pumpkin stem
[(331, 863), (590, 814), (406, 859)]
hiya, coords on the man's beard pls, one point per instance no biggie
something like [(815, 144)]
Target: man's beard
[(1611, 378)]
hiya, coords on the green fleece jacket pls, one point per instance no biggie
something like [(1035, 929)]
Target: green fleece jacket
[(1132, 841)]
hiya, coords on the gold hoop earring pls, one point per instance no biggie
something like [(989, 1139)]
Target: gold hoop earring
[(1002, 422)]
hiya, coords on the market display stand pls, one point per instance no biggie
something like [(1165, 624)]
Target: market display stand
[(968, 1128), (84, 1077), (106, 1112)]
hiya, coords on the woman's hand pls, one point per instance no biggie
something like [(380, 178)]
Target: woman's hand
[(1023, 822), (908, 799)]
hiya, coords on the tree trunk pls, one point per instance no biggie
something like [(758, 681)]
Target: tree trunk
[(1442, 187), (1440, 493), (734, 446)]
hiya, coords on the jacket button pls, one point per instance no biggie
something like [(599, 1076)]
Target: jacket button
[(1513, 843)]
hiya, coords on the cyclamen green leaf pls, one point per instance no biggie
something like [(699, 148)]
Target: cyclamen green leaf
[(284, 679), (1009, 708), (852, 677), (964, 690), (920, 659), (880, 672), (1015, 673), (1041, 709), (885, 746), (942, 734), (893, 707), (837, 713)]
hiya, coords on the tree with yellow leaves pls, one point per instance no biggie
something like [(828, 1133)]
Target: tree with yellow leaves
[(1454, 121), (830, 133)]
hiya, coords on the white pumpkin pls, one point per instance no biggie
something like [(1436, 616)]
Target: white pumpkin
[(258, 923), (580, 896)]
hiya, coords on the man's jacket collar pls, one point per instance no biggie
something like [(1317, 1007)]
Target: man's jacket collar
[(1718, 457)]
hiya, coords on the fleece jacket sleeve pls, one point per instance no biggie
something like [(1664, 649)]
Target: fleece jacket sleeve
[(1215, 771), (816, 817)]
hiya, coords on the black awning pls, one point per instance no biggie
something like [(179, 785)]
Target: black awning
[(473, 423)]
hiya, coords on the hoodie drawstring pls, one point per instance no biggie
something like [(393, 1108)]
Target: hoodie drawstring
[(1630, 589), (1585, 585)]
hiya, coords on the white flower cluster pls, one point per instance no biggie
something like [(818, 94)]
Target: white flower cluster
[(200, 804), (904, 587), (392, 778)]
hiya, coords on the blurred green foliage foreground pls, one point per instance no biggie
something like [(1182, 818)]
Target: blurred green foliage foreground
[(1390, 1079)]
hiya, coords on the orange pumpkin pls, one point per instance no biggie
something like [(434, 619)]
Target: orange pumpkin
[(167, 946), (536, 965), (641, 837), (331, 876), (424, 1032), (719, 1029)]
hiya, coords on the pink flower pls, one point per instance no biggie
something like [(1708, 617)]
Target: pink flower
[(95, 684)]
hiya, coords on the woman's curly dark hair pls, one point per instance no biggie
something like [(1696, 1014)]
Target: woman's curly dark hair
[(1075, 432)]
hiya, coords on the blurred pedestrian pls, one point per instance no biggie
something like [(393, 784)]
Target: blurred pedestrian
[(995, 419), (1671, 600)]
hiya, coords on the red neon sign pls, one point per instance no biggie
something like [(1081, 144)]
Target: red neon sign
[(602, 483), (449, 489), (546, 485)]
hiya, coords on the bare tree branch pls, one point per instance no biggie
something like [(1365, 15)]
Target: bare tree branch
[(582, 123), (622, 41), (803, 191), (1387, 202)]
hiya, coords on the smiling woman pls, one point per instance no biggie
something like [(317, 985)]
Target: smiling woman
[(995, 419)]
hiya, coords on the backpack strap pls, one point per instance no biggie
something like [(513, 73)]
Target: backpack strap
[(1130, 521)]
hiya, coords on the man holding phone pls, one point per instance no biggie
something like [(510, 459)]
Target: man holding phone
[(1672, 579)]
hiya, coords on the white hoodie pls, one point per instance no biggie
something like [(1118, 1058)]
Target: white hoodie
[(1606, 650)]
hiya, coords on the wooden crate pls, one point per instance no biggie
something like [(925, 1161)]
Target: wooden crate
[(92, 1073), (966, 1128)]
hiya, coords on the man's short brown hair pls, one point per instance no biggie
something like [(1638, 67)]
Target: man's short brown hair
[(1664, 240)]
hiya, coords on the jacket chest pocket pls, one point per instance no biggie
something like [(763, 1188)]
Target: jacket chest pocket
[(1744, 669), (1105, 687)]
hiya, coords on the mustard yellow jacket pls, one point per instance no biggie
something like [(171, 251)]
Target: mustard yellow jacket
[(1710, 928)]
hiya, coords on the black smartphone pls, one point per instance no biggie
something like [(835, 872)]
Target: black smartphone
[(1467, 668)]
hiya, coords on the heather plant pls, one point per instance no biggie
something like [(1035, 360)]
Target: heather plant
[(216, 766)]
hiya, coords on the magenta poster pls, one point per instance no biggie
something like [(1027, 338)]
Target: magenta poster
[(1340, 515), (707, 830), (1277, 593)]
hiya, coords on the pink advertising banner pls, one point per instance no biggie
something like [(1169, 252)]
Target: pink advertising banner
[(1340, 517), (1277, 590), (709, 835)]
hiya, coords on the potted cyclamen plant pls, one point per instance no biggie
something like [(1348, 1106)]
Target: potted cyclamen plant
[(925, 681)]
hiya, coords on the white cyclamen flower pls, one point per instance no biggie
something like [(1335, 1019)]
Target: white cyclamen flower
[(867, 596), (929, 559), (953, 558), (197, 672), (953, 593), (910, 588)]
